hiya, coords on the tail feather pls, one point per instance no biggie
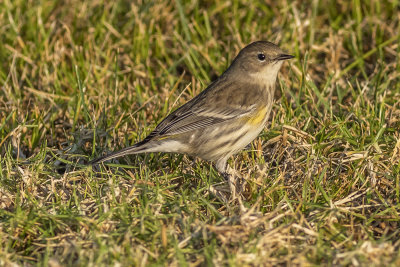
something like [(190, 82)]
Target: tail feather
[(137, 148)]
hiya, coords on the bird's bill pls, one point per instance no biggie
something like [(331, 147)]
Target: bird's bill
[(283, 57)]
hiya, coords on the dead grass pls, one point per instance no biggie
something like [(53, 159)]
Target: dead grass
[(79, 78)]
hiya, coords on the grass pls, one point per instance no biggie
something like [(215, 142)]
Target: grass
[(82, 78)]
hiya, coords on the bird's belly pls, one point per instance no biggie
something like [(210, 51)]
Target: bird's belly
[(225, 139)]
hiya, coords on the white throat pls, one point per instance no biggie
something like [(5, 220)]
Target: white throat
[(268, 74)]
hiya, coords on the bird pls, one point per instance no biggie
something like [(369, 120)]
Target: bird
[(225, 117)]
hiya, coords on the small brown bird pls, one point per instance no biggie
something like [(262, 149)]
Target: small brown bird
[(223, 118)]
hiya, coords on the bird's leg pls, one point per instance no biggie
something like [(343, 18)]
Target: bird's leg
[(237, 187), (235, 180), (230, 176)]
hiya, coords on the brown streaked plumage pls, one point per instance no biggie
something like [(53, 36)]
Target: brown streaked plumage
[(223, 118)]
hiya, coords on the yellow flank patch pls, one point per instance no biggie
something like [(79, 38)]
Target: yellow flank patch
[(258, 117)]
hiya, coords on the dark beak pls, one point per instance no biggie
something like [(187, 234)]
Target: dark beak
[(283, 57)]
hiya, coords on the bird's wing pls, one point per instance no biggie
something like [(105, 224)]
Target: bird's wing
[(220, 102), (199, 118)]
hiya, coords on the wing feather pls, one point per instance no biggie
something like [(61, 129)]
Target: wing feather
[(200, 113)]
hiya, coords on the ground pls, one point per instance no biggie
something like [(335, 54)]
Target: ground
[(82, 78)]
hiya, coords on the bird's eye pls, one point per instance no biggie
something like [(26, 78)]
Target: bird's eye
[(261, 57)]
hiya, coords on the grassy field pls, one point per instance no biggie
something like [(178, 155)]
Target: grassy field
[(79, 79)]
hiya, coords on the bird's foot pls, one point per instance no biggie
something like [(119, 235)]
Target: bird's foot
[(234, 192)]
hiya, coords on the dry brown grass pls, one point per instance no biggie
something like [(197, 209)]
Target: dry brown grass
[(79, 78)]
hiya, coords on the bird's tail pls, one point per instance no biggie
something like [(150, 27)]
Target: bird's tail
[(140, 147)]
